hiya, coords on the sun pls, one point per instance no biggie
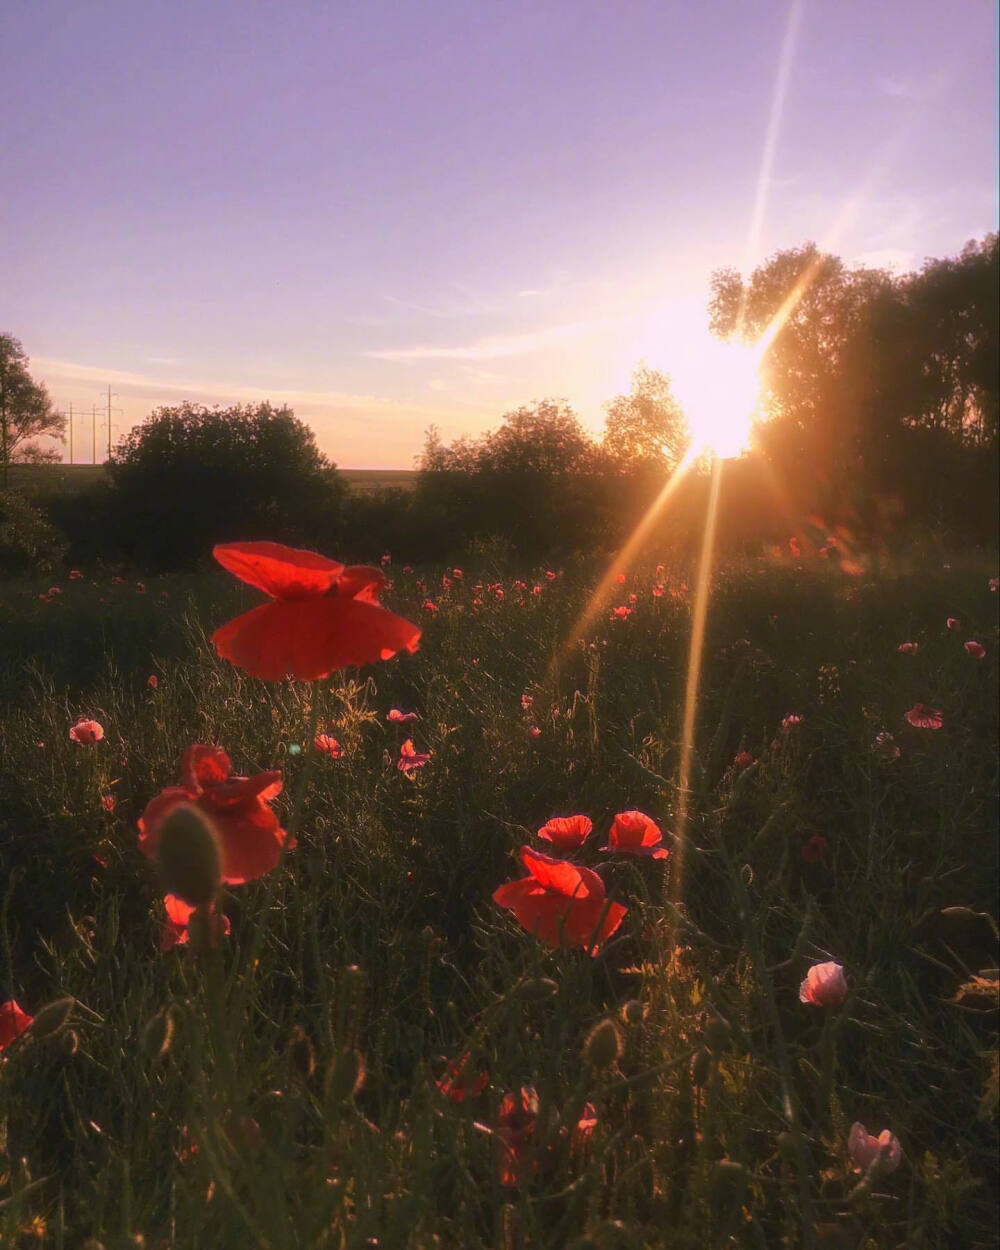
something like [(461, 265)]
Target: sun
[(718, 386)]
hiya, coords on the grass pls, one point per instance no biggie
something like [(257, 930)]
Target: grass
[(296, 1101)]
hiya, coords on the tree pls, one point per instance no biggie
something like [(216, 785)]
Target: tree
[(191, 476), (647, 427), (26, 410)]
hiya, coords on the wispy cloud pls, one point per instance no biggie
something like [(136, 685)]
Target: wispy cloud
[(492, 347)]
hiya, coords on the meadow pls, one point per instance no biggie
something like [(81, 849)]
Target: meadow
[(378, 1054)]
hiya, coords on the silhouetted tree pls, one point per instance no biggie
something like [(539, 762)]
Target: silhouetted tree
[(26, 411), (647, 427), (190, 476)]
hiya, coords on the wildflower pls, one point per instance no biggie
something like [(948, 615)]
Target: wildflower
[(620, 579), (659, 572), (953, 623), (249, 834), (885, 746), (994, 583), (532, 733), (634, 833), (175, 927), (790, 721), (824, 986), (386, 559), (527, 700), (794, 548), (908, 648), (457, 574), (536, 589), (152, 681), (975, 649), (75, 575), (13, 1022), (744, 759), (396, 717), (326, 745), (566, 833), (108, 802), (410, 758), (140, 588), (429, 605), (550, 576), (87, 732), (863, 1150), (815, 849), (323, 616), (921, 716), (621, 613), (458, 1082), (561, 903), (657, 592), (407, 568), (516, 1120)]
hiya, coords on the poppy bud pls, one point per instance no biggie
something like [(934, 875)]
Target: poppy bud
[(633, 1011), (51, 1018), (189, 855), (536, 989), (69, 1042), (727, 1185), (701, 1067), (301, 1054), (603, 1045), (345, 1076), (158, 1034), (718, 1032)]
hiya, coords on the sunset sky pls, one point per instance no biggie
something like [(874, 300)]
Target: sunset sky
[(389, 215)]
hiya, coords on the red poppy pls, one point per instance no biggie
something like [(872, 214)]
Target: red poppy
[(790, 721), (75, 575), (326, 745), (410, 758), (561, 903), (885, 746), (657, 592), (620, 579), (634, 833), (908, 648), (516, 1120), (175, 927), (532, 733), (396, 717), (323, 616), (744, 759), (429, 605), (975, 649), (621, 613), (13, 1022), (459, 1082), (87, 732), (566, 833), (953, 623), (814, 850), (249, 833), (108, 802), (152, 681), (923, 717)]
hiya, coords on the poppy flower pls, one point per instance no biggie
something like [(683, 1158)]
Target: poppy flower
[(620, 579), (326, 745), (532, 733), (863, 1149), (790, 721), (152, 681), (566, 833), (429, 605), (87, 732), (908, 648), (13, 1022), (410, 758), (515, 1132), (824, 986), (657, 592), (635, 833), (175, 927), (322, 617), (108, 802), (550, 576), (396, 717), (994, 583), (921, 716), (250, 836), (744, 759), (75, 575), (621, 613), (561, 903), (953, 623), (975, 649), (814, 850), (460, 1082), (885, 746), (794, 548)]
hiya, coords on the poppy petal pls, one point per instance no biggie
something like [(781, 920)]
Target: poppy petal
[(203, 766), (312, 638), (361, 581), (561, 876), (279, 571)]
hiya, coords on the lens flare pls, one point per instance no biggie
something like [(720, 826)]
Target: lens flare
[(719, 389)]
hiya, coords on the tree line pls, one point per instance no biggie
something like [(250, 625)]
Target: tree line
[(880, 405)]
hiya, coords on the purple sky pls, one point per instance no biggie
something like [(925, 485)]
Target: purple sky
[(393, 214)]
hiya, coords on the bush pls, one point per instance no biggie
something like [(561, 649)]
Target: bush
[(28, 542)]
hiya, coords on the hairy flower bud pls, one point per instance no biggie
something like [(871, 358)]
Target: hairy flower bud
[(603, 1045), (189, 855), (158, 1034), (52, 1017)]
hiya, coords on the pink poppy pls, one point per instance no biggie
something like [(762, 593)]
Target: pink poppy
[(953, 623), (561, 903), (994, 583), (825, 985), (532, 733), (326, 745), (13, 1022), (536, 589), (885, 746), (175, 927), (744, 759), (923, 717), (635, 833), (908, 648), (863, 1150), (550, 576), (407, 568), (790, 721), (975, 649), (527, 700), (566, 833), (396, 717), (87, 732), (410, 758)]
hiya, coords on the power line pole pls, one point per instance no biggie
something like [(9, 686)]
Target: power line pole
[(109, 418), (94, 415), (71, 432)]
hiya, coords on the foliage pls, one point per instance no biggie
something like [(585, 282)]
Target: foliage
[(29, 543), (26, 411), (647, 427), (287, 1088), (189, 477)]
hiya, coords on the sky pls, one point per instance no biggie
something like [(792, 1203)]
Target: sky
[(390, 214)]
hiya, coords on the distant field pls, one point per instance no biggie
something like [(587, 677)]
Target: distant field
[(51, 478)]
